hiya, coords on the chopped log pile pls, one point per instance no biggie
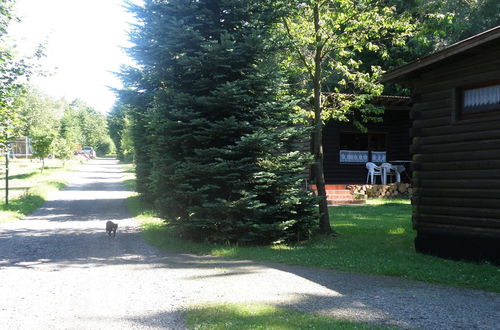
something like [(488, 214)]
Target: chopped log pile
[(392, 190)]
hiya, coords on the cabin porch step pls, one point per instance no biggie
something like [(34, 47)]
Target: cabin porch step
[(339, 195), (346, 202)]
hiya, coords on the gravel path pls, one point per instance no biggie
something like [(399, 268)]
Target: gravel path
[(58, 270)]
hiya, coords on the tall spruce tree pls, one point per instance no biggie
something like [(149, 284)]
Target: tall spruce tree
[(214, 132)]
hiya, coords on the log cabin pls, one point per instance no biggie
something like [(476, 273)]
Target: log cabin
[(456, 148), (347, 150)]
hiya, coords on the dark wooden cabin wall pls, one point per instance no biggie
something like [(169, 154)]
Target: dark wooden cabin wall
[(456, 163), (395, 123)]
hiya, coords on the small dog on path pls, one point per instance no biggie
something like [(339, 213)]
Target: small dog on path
[(111, 227)]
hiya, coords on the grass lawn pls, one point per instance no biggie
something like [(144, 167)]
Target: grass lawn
[(28, 188), (235, 316), (376, 239)]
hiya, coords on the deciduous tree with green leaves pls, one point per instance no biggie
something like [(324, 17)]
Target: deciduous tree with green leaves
[(42, 144), (39, 112), (326, 38), (84, 126), (10, 71), (63, 149)]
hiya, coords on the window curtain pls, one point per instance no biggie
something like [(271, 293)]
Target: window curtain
[(481, 99)]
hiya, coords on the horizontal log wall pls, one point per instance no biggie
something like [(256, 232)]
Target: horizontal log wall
[(456, 162)]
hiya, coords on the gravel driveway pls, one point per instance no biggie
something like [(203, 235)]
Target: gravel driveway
[(58, 270)]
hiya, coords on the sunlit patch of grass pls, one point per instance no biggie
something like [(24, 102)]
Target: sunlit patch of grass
[(224, 252), (397, 231), (258, 316), (343, 225), (382, 201), (128, 167), (129, 184), (281, 247)]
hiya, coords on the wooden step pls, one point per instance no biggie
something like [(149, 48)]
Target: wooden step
[(338, 191), (339, 195), (343, 198), (348, 193), (331, 186), (346, 202)]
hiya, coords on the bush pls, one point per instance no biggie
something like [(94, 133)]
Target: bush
[(106, 146)]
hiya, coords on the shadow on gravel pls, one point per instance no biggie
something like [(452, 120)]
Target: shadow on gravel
[(81, 210), (165, 320), (89, 247), (98, 186), (375, 299), (92, 247)]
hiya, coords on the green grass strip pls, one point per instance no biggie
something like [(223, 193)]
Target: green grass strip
[(257, 316), (38, 187)]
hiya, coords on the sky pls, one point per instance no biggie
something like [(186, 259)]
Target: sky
[(84, 46)]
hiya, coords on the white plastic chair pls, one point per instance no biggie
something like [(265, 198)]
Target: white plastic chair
[(373, 170), (398, 169), (390, 170)]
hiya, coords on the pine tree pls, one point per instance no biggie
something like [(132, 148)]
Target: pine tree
[(216, 123)]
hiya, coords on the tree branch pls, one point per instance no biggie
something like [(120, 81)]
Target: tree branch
[(297, 49)]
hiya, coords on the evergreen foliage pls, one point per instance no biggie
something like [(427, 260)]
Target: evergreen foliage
[(214, 134), (120, 131)]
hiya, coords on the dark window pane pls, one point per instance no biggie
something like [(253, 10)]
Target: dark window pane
[(378, 142), (353, 141)]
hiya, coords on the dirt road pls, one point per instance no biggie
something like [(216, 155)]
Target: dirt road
[(58, 270)]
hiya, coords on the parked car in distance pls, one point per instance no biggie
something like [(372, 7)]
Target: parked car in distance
[(89, 151)]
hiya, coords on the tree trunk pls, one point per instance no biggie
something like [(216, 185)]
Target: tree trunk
[(319, 176)]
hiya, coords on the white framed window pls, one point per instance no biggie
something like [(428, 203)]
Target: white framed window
[(481, 99), (356, 147), (379, 156), (353, 156)]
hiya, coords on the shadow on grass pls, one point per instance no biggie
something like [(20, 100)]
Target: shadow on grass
[(15, 188), (23, 176), (262, 317), (57, 184)]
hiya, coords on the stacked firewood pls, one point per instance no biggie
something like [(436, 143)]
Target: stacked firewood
[(392, 190)]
